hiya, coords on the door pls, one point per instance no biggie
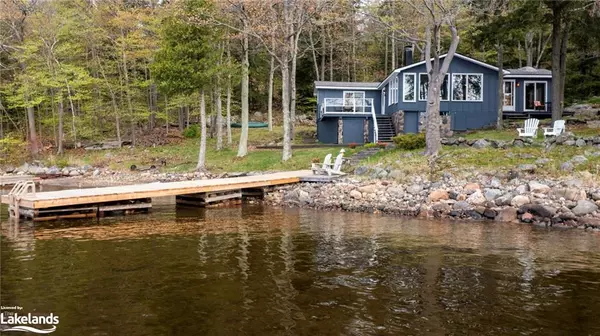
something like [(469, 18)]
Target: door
[(535, 96), (509, 95)]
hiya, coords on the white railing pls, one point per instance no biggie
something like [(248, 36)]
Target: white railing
[(375, 128), (348, 106)]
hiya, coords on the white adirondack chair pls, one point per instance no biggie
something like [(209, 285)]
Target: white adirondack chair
[(557, 129), (530, 129), (337, 166), (326, 164)]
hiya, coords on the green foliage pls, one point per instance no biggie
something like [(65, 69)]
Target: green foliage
[(12, 149), (594, 100), (410, 141), (371, 145), (192, 131)]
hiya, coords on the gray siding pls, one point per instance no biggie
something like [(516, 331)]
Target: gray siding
[(520, 91)]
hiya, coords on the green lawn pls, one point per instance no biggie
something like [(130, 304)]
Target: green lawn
[(183, 156)]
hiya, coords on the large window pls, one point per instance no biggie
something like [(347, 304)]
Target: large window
[(353, 99), (535, 96), (408, 87), (424, 86), (467, 87), (393, 96)]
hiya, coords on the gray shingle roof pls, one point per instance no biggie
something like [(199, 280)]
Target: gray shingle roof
[(529, 71), (347, 84)]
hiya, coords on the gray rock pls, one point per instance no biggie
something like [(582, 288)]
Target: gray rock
[(355, 194), (573, 183), (96, 172), (377, 172), (495, 183), (567, 166), (571, 194), (584, 207), (530, 168), (538, 187), (481, 143), (579, 159), (570, 142), (476, 198), (53, 171), (396, 174), (368, 189), (9, 169), (504, 199), (491, 194), (414, 189), (542, 161), (304, 197), (507, 215), (395, 192), (520, 200), (522, 189), (361, 170), (35, 170), (291, 196), (74, 172), (580, 143), (539, 210), (596, 196), (461, 206)]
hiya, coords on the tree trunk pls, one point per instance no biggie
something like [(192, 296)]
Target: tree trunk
[(500, 50), (167, 122), (323, 52), (387, 62), (285, 97), (529, 48), (61, 132), (433, 137), (219, 119), (556, 59), (294, 47), (330, 58), (314, 54), (202, 152), (181, 118), (393, 46), (228, 108), (33, 138), (270, 95), (243, 145), (153, 106), (563, 64)]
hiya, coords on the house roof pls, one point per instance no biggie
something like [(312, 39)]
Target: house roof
[(346, 85), (466, 58), (528, 72)]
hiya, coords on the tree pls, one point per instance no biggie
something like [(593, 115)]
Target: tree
[(187, 60)]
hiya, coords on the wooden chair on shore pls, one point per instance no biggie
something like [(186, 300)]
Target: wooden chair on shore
[(326, 164), (530, 128), (557, 128)]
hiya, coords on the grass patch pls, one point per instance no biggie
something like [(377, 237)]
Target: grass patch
[(463, 161)]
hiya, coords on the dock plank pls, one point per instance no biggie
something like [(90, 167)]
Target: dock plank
[(109, 194)]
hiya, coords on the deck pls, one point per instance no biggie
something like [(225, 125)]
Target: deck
[(91, 202)]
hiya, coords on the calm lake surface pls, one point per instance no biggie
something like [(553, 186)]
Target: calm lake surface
[(269, 271)]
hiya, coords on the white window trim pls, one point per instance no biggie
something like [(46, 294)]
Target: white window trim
[(396, 89), (415, 86), (393, 92), (390, 93), (447, 88), (534, 91), (467, 87)]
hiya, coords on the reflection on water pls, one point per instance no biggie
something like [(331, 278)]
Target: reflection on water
[(268, 271)]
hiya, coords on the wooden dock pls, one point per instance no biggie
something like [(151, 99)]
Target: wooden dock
[(97, 202), (14, 179)]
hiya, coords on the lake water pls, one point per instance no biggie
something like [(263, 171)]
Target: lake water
[(270, 271)]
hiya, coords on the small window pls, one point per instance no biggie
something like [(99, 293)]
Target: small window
[(408, 87), (467, 87), (424, 86), (393, 96)]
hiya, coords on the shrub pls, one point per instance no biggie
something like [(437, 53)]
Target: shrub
[(370, 145), (410, 141), (381, 144), (13, 149), (352, 145), (192, 131)]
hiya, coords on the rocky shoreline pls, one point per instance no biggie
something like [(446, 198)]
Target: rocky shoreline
[(567, 203)]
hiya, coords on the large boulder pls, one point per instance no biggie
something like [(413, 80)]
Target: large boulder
[(361, 170), (395, 192), (520, 200), (504, 199), (438, 195), (584, 207), (461, 206), (538, 187), (368, 189), (492, 193), (507, 215), (355, 194), (538, 210), (476, 198), (571, 194), (578, 159), (414, 189), (481, 143)]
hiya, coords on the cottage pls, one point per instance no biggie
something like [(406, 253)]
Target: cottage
[(357, 112)]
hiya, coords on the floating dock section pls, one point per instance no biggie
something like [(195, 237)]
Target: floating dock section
[(25, 202)]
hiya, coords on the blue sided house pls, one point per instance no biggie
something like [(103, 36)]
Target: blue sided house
[(358, 112)]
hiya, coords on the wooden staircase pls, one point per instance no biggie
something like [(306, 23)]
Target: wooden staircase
[(385, 128)]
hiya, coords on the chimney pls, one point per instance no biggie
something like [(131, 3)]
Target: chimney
[(408, 55)]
